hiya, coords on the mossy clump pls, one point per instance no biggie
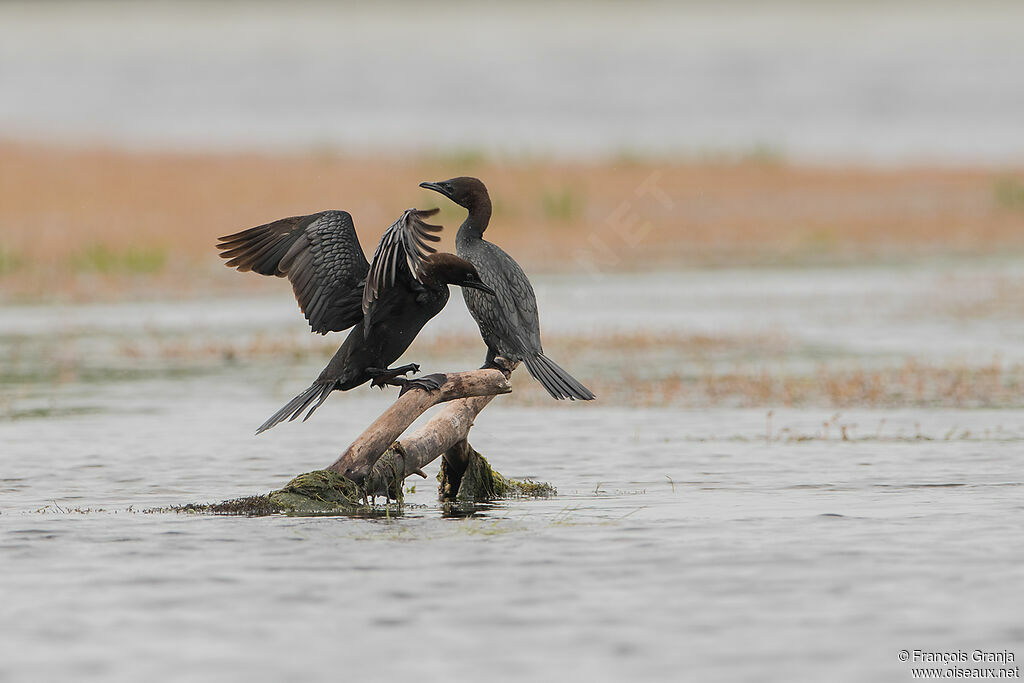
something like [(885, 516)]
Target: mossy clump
[(250, 506), (324, 492), (528, 488), (388, 473), (479, 482), (320, 492)]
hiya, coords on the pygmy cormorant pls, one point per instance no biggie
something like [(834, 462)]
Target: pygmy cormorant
[(508, 321), (386, 302)]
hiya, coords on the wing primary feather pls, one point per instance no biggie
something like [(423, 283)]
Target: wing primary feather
[(406, 240)]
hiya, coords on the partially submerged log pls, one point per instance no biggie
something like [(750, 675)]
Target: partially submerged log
[(376, 463), (467, 477), (408, 456), (470, 392)]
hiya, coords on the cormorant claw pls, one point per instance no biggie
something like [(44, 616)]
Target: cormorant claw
[(427, 383), (499, 363), (388, 377)]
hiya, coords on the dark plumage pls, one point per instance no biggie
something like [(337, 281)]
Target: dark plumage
[(386, 302), (319, 254), (508, 321)]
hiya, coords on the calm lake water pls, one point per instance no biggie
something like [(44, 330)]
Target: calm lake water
[(838, 81), (683, 544)]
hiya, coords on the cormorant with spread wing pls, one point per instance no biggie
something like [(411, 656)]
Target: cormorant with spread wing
[(386, 302)]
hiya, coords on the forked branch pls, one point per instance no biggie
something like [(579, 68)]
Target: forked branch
[(468, 394)]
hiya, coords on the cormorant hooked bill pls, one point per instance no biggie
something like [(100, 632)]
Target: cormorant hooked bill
[(386, 302), (508, 321)]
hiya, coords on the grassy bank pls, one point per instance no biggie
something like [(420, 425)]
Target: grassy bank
[(84, 224)]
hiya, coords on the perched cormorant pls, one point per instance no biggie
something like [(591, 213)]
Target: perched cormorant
[(385, 302), (508, 321)]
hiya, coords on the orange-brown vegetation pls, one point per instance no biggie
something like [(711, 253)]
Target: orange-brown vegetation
[(87, 223)]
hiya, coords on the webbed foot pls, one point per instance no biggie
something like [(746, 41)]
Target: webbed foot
[(427, 383), (388, 376), (499, 363)]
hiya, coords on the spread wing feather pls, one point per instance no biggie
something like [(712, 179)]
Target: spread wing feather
[(319, 254), (403, 246)]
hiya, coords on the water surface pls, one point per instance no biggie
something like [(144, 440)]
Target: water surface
[(700, 544)]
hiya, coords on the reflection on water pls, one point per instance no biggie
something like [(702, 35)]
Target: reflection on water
[(684, 544)]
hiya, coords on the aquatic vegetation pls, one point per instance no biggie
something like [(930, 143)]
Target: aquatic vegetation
[(311, 493), (638, 368), (912, 383), (324, 492), (480, 482), (41, 412)]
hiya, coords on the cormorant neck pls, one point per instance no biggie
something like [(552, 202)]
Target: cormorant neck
[(479, 216)]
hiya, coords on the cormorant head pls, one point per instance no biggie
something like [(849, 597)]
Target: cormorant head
[(449, 269), (465, 191)]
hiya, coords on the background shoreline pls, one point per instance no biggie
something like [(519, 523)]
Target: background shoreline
[(81, 223)]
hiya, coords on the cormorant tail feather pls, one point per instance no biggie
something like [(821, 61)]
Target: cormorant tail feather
[(559, 383), (317, 391)]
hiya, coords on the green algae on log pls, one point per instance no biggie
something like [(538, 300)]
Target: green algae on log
[(324, 492), (320, 492), (467, 477)]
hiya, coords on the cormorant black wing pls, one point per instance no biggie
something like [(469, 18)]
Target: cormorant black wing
[(509, 322), (400, 254), (513, 315), (320, 255)]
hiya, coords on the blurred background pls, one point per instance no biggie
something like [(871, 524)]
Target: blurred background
[(619, 141), (748, 224)]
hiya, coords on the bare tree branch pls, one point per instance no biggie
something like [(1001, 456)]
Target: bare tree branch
[(470, 392), (442, 432)]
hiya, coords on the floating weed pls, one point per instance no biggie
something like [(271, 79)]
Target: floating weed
[(564, 516), (631, 513), (567, 517), (625, 380), (54, 507), (789, 435), (478, 527), (528, 488)]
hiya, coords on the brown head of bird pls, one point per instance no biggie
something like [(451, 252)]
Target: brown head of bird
[(449, 269), (465, 191)]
